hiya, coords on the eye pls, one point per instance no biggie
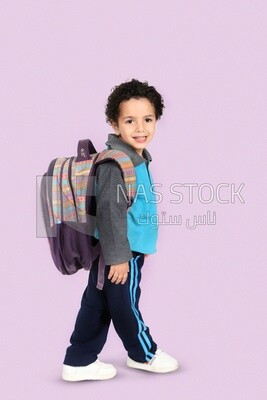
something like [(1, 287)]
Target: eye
[(129, 121), (149, 119)]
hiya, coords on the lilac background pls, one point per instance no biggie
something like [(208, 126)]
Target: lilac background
[(204, 292)]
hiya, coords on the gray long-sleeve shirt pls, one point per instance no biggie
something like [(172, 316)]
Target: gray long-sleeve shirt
[(111, 212), (111, 215)]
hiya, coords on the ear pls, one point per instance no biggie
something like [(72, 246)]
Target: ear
[(115, 127)]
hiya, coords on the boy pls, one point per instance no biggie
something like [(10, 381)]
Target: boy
[(132, 110)]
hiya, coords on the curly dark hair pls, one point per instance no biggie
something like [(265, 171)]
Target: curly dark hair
[(132, 89)]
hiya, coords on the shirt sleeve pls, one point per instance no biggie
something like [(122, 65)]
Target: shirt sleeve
[(111, 214)]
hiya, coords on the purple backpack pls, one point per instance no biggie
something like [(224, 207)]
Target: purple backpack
[(69, 206)]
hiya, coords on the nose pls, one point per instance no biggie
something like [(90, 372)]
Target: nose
[(140, 127)]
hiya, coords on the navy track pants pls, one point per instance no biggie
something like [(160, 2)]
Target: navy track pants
[(118, 303)]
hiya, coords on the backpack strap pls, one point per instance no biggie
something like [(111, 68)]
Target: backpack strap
[(69, 184), (80, 179), (126, 166), (56, 189)]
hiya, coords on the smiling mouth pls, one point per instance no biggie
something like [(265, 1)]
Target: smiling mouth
[(140, 139)]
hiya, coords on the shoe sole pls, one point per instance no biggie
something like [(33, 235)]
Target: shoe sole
[(87, 377), (149, 368)]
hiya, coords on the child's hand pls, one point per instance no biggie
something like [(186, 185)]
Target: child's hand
[(119, 273)]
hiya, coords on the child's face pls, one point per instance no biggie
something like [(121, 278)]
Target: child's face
[(136, 123)]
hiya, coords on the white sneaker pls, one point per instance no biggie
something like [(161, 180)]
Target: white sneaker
[(95, 371), (160, 363)]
